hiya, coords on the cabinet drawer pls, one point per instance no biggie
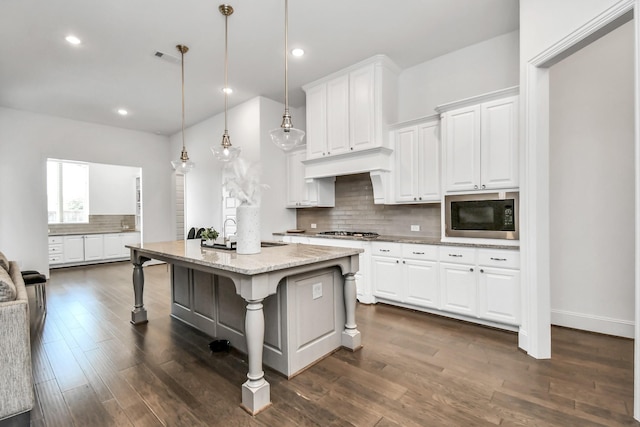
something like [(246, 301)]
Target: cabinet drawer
[(55, 240), (55, 259), (389, 249), (457, 255), (427, 252), (55, 249), (499, 258)]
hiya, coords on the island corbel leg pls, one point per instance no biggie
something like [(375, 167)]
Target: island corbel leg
[(256, 391), (139, 313), (351, 337)]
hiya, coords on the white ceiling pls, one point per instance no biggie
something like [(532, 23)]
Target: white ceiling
[(115, 65)]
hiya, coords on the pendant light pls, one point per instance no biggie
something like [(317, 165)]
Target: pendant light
[(183, 165), (225, 152), (286, 136)]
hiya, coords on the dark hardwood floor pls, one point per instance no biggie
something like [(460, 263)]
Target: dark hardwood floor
[(93, 368)]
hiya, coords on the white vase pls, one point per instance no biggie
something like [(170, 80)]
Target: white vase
[(248, 229)]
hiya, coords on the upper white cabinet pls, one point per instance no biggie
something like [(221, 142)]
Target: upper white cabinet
[(416, 172), (350, 109), (301, 192), (480, 142)]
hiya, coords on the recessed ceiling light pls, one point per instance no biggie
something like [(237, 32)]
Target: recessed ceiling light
[(297, 52), (73, 40), (122, 112), (227, 90)]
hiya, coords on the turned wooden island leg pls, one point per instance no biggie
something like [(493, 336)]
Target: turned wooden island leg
[(139, 313), (256, 391), (351, 337)]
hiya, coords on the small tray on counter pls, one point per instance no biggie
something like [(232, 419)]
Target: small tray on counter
[(232, 247), (295, 231)]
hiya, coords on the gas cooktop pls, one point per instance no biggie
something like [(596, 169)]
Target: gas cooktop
[(369, 234)]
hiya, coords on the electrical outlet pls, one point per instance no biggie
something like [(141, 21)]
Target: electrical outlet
[(415, 228), (314, 226), (316, 290)]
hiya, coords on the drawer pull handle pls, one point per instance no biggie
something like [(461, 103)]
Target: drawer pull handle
[(384, 250), (418, 253), (455, 255), (498, 259)]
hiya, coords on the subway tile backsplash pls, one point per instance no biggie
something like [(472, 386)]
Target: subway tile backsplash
[(355, 211), (97, 224)]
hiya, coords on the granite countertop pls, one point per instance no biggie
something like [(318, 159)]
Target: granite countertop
[(76, 233), (269, 259), (403, 239)]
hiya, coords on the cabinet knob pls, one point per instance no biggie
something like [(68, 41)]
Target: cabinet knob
[(484, 186), (324, 154), (397, 262), (328, 153), (481, 270), (351, 148), (415, 198), (404, 262), (475, 187), (471, 269), (420, 198)]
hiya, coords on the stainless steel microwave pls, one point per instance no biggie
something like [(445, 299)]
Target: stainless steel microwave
[(486, 215)]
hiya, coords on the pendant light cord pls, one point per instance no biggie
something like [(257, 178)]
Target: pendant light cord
[(226, 66), (286, 50), (182, 63)]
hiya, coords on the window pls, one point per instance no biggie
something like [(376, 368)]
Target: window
[(67, 191)]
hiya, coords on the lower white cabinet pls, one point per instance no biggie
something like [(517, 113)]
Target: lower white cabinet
[(73, 249), (93, 247), (81, 249), (459, 288), (385, 272), (499, 291)]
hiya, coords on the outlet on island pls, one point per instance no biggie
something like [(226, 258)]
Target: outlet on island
[(314, 226), (415, 228)]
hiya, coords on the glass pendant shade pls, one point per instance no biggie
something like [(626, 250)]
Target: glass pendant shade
[(225, 152), (183, 164), (286, 137)]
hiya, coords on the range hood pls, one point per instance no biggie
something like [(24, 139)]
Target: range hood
[(376, 161)]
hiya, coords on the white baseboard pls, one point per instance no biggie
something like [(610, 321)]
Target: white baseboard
[(592, 323)]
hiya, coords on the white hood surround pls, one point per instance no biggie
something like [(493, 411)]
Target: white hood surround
[(377, 161)]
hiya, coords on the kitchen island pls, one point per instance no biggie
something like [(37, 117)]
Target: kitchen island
[(309, 293)]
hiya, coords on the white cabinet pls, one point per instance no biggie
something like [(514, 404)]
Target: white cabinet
[(56, 250), (93, 247), (406, 273), (480, 142), (131, 238), (301, 192), (350, 109), (483, 283), (499, 286), (112, 246), (420, 275), (416, 172), (458, 281), (73, 249)]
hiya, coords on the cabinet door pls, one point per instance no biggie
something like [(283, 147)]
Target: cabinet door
[(362, 108), (421, 283), (316, 121), (406, 159), (385, 273), (458, 286), (499, 151), (295, 178), (73, 248), (93, 247), (338, 115), (112, 246), (462, 148), (132, 238), (499, 295), (428, 162)]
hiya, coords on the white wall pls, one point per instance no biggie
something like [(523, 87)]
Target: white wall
[(474, 70), (112, 189), (248, 125), (592, 187), (28, 139)]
